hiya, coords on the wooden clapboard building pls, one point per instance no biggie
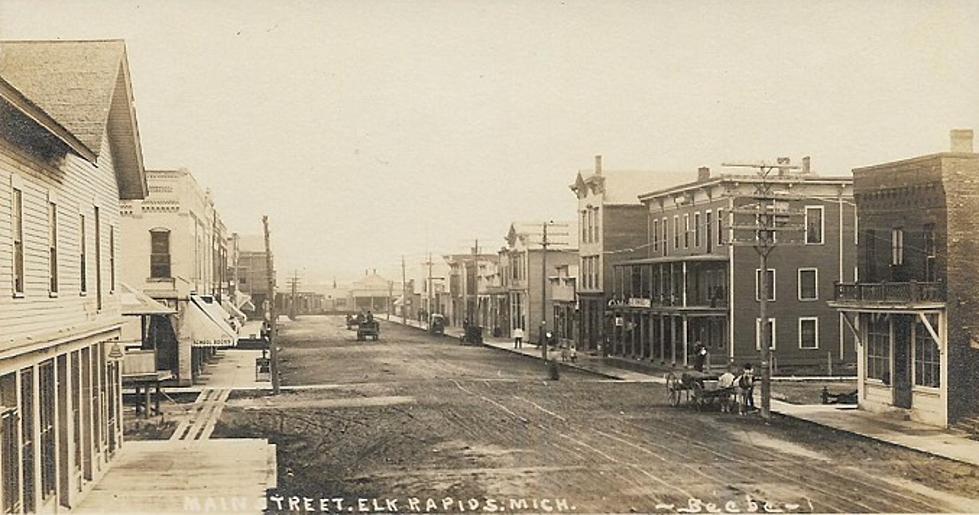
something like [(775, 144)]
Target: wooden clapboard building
[(69, 151)]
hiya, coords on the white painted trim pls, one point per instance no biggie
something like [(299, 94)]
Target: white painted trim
[(758, 333), (798, 279), (799, 329)]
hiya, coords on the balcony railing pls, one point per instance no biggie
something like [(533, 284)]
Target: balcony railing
[(890, 293)]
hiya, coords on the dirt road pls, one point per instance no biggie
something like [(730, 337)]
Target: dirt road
[(414, 418)]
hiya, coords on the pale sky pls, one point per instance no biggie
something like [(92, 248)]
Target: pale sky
[(367, 130)]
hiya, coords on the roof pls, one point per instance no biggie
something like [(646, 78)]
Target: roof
[(674, 259), (623, 187), (744, 178), (563, 236), (16, 99), (135, 302), (85, 87)]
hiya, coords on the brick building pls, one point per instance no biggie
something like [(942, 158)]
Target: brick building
[(611, 220), (694, 287), (915, 306)]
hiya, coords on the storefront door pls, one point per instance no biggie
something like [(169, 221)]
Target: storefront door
[(902, 362)]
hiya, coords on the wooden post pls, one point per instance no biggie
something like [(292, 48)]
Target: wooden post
[(273, 334)]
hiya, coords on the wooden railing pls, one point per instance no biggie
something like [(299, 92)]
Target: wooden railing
[(139, 362), (890, 292)]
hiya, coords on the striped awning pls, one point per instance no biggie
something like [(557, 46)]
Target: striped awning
[(203, 321)]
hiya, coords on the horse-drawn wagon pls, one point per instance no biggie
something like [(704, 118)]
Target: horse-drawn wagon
[(698, 389)]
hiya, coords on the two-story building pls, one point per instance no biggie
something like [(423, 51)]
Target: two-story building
[(176, 252), (914, 305), (693, 287), (611, 219), (252, 272), (69, 152), (522, 261), (563, 302)]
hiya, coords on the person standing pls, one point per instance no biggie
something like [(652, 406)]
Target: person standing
[(700, 357), (517, 338)]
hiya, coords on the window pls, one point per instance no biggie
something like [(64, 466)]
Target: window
[(929, 243), (897, 246), (927, 357), (46, 400), (83, 245), (879, 349), (584, 228), (808, 333), (18, 235), (771, 284), (771, 333), (52, 248), (696, 230), (98, 260), (112, 258), (814, 225), (720, 226), (686, 231), (655, 235), (708, 229), (808, 284), (665, 230), (676, 231), (27, 438), (160, 254), (870, 263)]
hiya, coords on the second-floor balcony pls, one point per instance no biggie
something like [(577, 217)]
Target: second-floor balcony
[(912, 293)]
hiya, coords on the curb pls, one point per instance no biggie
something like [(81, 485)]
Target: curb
[(560, 363)]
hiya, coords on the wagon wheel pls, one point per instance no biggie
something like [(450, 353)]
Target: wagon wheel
[(697, 394), (673, 389)]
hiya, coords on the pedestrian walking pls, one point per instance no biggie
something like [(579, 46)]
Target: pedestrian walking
[(700, 356), (517, 338)]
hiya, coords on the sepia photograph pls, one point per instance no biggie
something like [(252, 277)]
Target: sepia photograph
[(489, 256)]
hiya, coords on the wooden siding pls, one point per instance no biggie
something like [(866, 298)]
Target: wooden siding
[(77, 187)]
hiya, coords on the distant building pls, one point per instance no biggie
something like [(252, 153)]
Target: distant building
[(374, 293), (463, 294), (913, 302), (694, 287), (176, 252), (521, 267), (563, 299), (611, 219), (69, 153), (253, 274)]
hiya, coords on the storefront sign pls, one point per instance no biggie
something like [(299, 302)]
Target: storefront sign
[(639, 303)]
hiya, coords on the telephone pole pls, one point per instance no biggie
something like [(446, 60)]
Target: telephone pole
[(543, 293), (771, 216), (404, 292), (273, 334), (293, 287), (428, 307), (474, 314)]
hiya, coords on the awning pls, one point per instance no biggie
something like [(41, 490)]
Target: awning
[(135, 303), (244, 301), (233, 310), (203, 321)]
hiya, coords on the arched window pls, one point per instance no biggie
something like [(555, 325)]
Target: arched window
[(160, 254)]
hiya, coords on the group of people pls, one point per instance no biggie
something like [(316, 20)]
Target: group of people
[(743, 385), (568, 350)]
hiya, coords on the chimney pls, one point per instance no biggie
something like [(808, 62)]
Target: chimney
[(961, 140), (806, 166), (598, 165), (703, 174)]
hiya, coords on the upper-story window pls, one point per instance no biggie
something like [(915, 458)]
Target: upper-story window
[(584, 226), (686, 231), (929, 247), (655, 235), (676, 231), (814, 225), (112, 259), (708, 230), (720, 226), (666, 228), (160, 254), (897, 246), (52, 247), (17, 226), (82, 257), (696, 229)]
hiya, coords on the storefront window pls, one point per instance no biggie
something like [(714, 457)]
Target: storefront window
[(879, 349), (927, 360)]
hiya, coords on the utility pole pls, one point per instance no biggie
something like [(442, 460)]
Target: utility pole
[(474, 314), (293, 286), (404, 292), (428, 307), (771, 217), (390, 294), (543, 293), (273, 334)]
